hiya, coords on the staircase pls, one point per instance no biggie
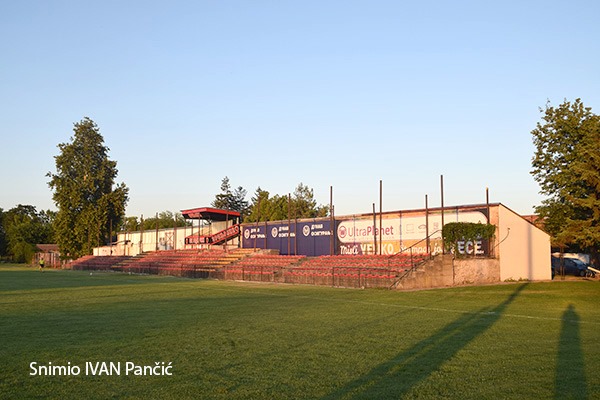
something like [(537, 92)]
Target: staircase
[(433, 273), (217, 238)]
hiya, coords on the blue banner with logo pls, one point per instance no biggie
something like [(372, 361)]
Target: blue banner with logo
[(309, 238)]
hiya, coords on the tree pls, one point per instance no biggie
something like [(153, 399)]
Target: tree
[(3, 244), (24, 227), (164, 220), (88, 201), (258, 206), (233, 201), (304, 204), (301, 204), (224, 199), (566, 164)]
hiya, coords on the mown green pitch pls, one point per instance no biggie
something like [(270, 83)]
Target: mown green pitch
[(228, 340)]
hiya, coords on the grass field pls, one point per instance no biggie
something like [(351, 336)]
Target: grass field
[(229, 340)]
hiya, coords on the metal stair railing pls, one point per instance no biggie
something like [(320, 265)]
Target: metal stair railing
[(413, 265)]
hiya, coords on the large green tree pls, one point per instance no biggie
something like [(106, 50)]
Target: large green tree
[(88, 200), (566, 164)]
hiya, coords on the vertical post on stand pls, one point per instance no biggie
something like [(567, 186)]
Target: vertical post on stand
[(156, 237), (295, 233), (266, 233), (374, 230), (331, 224), (442, 198), (226, 226), (289, 251), (142, 234), (125, 240), (110, 236), (256, 227), (175, 231), (427, 225), (380, 215), (490, 248), (192, 234)]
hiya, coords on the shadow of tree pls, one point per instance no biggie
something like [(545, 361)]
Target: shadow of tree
[(396, 377), (570, 382)]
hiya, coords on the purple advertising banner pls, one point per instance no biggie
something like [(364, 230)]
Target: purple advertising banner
[(309, 238)]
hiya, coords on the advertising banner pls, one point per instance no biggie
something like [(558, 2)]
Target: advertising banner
[(398, 233), (310, 238), (356, 235)]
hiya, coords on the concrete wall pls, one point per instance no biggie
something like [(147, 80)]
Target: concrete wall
[(446, 271), (524, 249), (476, 271)]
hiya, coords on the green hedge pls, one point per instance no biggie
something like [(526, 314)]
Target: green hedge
[(454, 232)]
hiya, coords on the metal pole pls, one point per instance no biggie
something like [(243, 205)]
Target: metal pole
[(374, 230), (125, 241), (110, 235), (331, 244), (201, 230), (427, 224), (442, 198), (256, 225), (192, 234), (226, 226), (156, 238), (289, 224), (175, 231), (334, 231), (490, 248), (380, 215), (295, 233), (142, 234)]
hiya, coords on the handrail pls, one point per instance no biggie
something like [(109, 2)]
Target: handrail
[(414, 244), (413, 266)]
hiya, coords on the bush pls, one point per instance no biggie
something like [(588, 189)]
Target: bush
[(455, 232)]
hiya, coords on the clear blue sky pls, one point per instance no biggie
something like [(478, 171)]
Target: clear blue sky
[(274, 93)]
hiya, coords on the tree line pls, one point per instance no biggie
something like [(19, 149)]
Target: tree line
[(266, 207), (21, 228)]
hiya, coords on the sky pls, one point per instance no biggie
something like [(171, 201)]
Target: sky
[(340, 94)]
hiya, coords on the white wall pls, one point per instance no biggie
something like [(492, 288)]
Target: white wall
[(524, 249), (133, 243)]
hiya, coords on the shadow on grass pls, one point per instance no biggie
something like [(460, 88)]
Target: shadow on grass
[(570, 380), (398, 376)]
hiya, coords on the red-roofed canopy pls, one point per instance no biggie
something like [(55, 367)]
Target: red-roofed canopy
[(210, 214)]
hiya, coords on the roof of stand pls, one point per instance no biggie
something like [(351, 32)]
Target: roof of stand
[(209, 214)]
